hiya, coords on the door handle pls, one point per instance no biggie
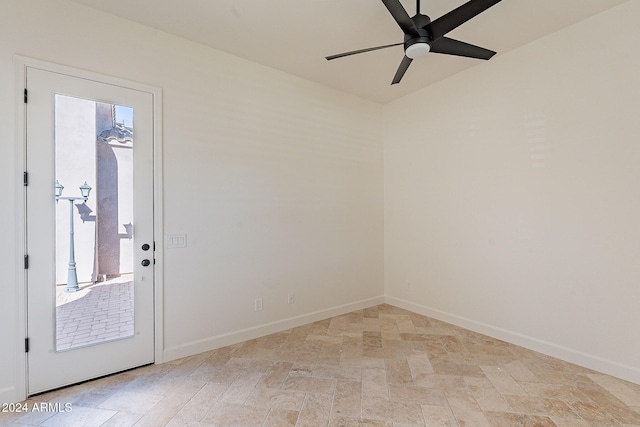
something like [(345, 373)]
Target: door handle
[(146, 262)]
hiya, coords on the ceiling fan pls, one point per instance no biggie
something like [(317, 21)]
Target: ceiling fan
[(421, 35)]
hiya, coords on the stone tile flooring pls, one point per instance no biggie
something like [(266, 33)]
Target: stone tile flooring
[(98, 312), (382, 366)]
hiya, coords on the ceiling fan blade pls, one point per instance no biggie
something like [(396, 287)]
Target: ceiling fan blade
[(458, 16), (353, 52), (406, 61), (456, 47), (401, 16)]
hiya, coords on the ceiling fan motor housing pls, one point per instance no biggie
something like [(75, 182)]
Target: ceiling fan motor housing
[(420, 21), (417, 45)]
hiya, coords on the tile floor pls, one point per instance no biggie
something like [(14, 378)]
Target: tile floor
[(382, 366)]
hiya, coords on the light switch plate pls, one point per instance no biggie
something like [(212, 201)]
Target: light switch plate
[(176, 241)]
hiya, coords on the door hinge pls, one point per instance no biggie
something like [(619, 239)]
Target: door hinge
[(26, 262), (25, 95), (25, 179), (26, 345)]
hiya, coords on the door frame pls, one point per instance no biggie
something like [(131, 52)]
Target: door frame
[(21, 65)]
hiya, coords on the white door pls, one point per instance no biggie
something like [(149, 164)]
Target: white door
[(90, 273)]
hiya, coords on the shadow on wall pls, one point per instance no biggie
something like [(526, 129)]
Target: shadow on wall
[(85, 212)]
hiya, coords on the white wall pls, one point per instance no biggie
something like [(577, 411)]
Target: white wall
[(512, 195), (75, 164), (277, 182)]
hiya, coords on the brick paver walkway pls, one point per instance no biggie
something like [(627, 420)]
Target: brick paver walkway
[(98, 312)]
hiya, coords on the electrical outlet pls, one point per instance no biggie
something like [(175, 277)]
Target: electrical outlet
[(292, 298), (408, 284), (258, 304)]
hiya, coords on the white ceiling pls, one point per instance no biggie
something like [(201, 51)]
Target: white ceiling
[(295, 35)]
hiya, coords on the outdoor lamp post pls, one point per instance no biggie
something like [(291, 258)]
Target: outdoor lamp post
[(72, 277)]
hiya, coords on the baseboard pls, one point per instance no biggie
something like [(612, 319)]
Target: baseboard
[(8, 395), (223, 340), (628, 373)]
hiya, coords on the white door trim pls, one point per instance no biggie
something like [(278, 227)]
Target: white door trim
[(21, 65)]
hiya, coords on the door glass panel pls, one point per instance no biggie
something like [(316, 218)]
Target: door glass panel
[(93, 222)]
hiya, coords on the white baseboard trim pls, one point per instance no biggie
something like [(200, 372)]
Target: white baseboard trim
[(610, 367), (223, 340), (9, 395)]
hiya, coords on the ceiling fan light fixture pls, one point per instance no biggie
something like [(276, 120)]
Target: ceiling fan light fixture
[(417, 50)]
